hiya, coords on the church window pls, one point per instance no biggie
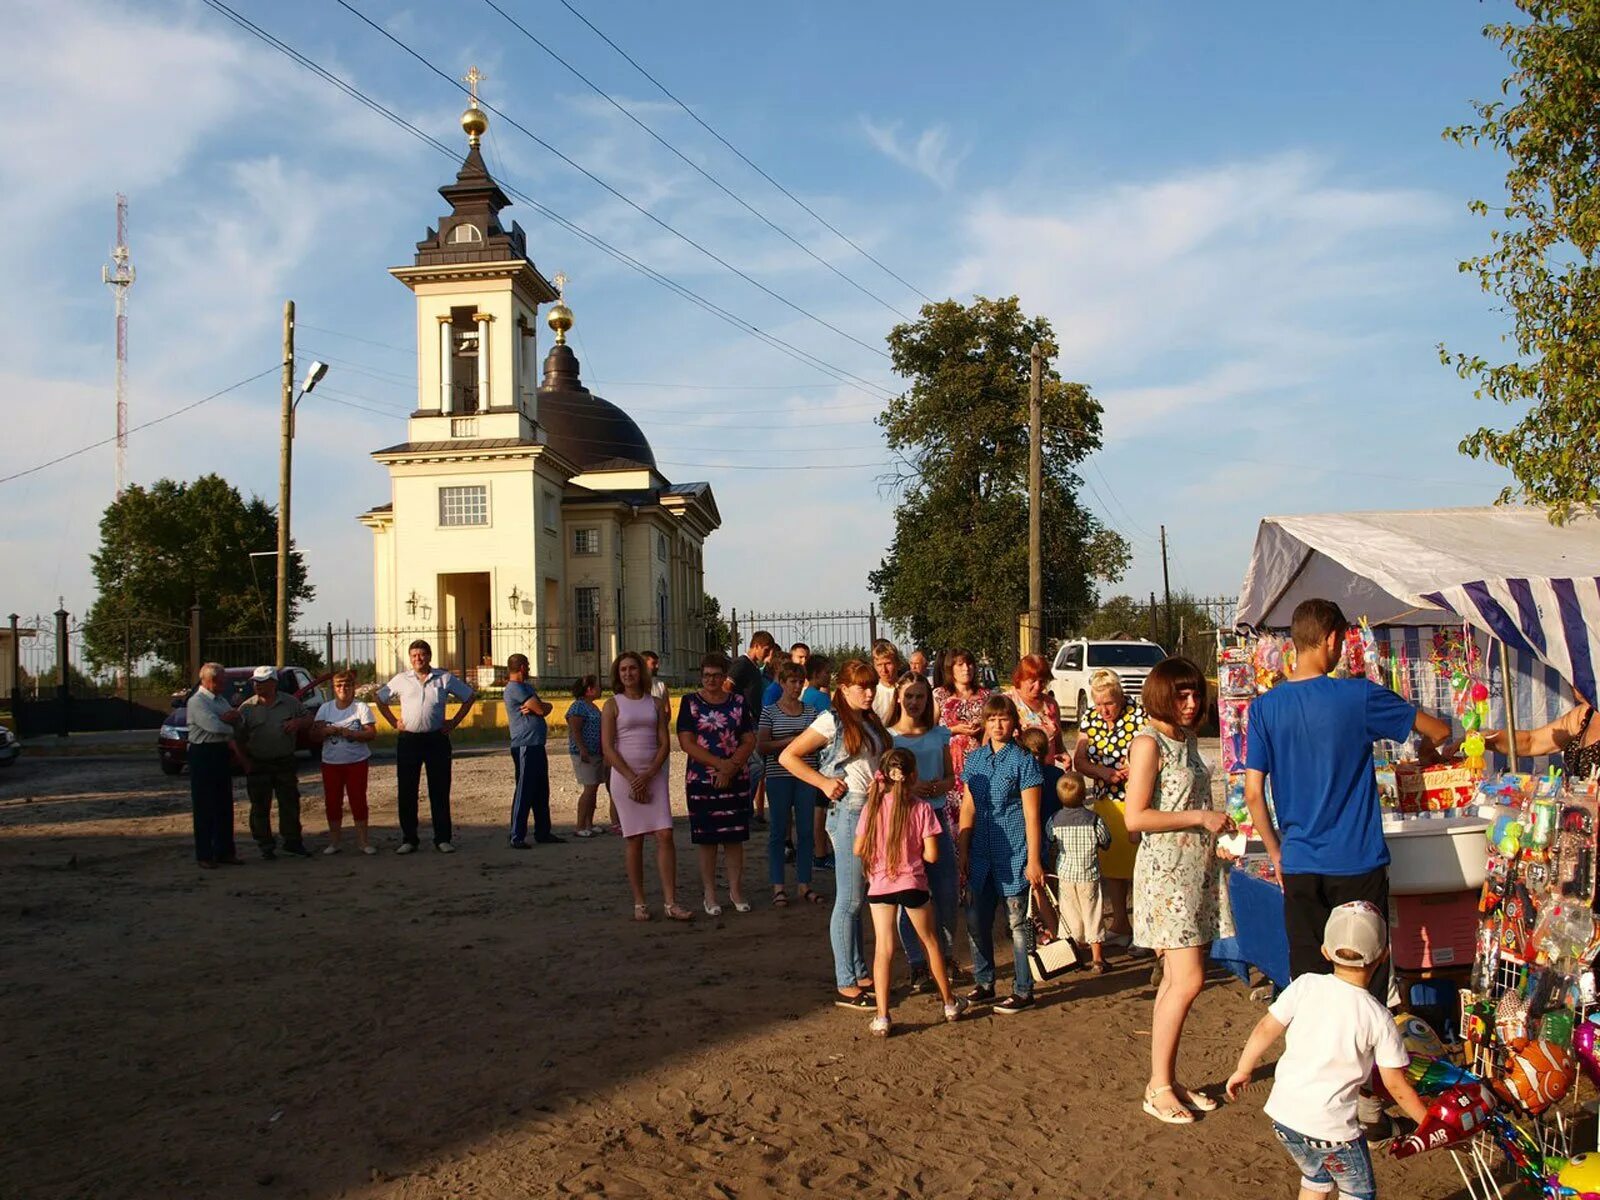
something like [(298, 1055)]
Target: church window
[(663, 612), (464, 505), (466, 233), (661, 546), (586, 541), (585, 612), (552, 512)]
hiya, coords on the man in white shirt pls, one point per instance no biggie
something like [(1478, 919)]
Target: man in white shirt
[(886, 662), (424, 741), (658, 686), (211, 722)]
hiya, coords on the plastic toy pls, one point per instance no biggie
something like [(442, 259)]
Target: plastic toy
[(1581, 1175), (1536, 1077), (1557, 1028), (1473, 747), (1430, 1076), (1454, 1116), (1520, 1149), (1511, 1023)]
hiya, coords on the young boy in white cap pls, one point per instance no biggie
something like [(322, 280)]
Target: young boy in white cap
[(1334, 1031)]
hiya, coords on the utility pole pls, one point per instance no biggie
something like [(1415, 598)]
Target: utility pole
[(285, 474), (1166, 584), (118, 275), (1035, 486)]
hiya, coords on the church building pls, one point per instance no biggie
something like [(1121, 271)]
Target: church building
[(526, 514)]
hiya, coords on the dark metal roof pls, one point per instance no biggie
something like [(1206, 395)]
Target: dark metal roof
[(584, 427), (456, 444)]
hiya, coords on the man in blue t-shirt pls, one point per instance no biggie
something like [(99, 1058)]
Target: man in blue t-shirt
[(525, 713), (1313, 735)]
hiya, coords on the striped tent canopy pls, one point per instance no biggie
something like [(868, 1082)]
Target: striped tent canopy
[(1505, 571)]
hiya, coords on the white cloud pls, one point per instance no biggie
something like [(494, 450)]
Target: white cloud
[(929, 154)]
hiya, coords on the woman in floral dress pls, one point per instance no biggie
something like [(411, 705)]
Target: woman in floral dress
[(1105, 734), (717, 734), (1036, 707), (959, 704), (1179, 904)]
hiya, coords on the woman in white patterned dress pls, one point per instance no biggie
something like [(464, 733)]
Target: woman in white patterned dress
[(1179, 904)]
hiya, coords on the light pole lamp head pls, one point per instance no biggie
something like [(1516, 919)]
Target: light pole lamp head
[(314, 374)]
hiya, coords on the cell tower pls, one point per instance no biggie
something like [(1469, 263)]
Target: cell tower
[(118, 275)]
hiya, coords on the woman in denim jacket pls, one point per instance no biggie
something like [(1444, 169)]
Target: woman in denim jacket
[(851, 739)]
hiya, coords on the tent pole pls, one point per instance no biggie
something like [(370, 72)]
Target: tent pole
[(1508, 689)]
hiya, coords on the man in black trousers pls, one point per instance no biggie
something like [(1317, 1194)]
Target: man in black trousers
[(211, 722)]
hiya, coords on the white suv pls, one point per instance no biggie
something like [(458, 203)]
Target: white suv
[(1076, 660)]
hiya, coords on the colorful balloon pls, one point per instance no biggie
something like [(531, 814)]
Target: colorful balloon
[(1536, 1076), (1455, 1115), (1585, 1047), (1419, 1037), (1581, 1175), (1521, 1150), (1430, 1076)]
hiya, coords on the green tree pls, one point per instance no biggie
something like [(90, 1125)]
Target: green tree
[(719, 634), (173, 544), (957, 571), (1541, 262)]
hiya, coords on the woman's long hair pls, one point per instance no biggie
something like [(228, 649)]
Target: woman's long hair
[(859, 726), (897, 776)]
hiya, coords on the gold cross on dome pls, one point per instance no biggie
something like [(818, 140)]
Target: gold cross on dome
[(472, 79), (561, 283)]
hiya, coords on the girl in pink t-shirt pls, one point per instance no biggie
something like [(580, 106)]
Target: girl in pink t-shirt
[(897, 836)]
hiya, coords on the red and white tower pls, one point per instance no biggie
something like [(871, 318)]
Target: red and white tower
[(118, 275)]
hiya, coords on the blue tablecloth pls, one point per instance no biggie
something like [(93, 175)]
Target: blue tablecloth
[(1260, 940)]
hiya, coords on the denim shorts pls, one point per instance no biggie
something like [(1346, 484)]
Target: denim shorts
[(1326, 1164)]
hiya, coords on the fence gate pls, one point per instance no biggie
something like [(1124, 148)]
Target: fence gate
[(75, 677)]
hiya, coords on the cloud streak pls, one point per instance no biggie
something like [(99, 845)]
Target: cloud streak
[(929, 154)]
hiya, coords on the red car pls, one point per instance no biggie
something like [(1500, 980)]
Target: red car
[(172, 744)]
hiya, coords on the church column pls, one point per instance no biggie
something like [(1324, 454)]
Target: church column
[(483, 319), (528, 396), (446, 361)]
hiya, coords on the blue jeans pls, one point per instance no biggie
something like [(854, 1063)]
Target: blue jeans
[(849, 891), (531, 793), (1324, 1165), (785, 795), (943, 884), (981, 911)]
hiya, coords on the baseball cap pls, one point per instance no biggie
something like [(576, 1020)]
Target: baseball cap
[(1355, 935), (264, 675)]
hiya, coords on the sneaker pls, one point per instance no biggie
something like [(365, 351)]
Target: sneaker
[(822, 864), (444, 847), (406, 848), (583, 833), (369, 849), (953, 1011), (517, 845), (298, 850), (330, 849), (1013, 1004), (921, 981), (981, 994), (549, 839)]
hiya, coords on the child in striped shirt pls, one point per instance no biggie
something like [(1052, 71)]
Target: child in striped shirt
[(1079, 835)]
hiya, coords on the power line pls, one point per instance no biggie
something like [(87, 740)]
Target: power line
[(177, 412), (804, 357), (722, 187), (620, 195), (742, 157)]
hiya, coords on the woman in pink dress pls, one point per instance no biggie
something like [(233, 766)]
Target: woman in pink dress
[(633, 738), (960, 707)]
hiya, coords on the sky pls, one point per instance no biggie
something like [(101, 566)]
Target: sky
[(1242, 221)]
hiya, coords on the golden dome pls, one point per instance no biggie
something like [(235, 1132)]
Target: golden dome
[(559, 319), (475, 121)]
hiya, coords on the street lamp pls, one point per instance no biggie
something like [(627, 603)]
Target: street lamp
[(291, 400)]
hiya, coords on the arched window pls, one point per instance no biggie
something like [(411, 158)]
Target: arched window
[(466, 233), (663, 613)]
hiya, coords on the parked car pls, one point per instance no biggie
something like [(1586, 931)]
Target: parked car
[(10, 747), (1076, 660), (172, 743)]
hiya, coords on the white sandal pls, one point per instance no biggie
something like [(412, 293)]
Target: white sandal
[(880, 1027), (1180, 1116)]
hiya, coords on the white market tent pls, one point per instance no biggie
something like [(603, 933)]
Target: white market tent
[(1505, 571)]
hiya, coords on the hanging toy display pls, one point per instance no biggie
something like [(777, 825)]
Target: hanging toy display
[(1455, 1115)]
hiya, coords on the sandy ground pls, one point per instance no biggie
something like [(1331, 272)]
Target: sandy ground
[(492, 1025)]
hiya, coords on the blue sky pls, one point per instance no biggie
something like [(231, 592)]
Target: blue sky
[(1242, 220)]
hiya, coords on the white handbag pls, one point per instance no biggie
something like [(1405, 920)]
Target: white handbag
[(1055, 956)]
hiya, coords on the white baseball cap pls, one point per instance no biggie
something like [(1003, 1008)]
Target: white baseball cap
[(264, 675), (1355, 935)]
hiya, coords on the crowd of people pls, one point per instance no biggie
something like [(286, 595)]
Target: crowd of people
[(925, 795)]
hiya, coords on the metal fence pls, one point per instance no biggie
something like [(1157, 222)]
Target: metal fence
[(839, 635)]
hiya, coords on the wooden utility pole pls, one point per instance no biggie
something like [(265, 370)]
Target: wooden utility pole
[(1035, 486), (285, 474), (1166, 584)]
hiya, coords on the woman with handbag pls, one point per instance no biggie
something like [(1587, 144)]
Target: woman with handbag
[(999, 846), (1180, 905), (851, 740)]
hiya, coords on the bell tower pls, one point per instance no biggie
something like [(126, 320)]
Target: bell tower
[(478, 295)]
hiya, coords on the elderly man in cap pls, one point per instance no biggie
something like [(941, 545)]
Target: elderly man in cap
[(269, 723)]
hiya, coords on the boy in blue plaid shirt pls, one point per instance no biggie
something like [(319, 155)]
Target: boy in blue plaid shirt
[(1079, 835)]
